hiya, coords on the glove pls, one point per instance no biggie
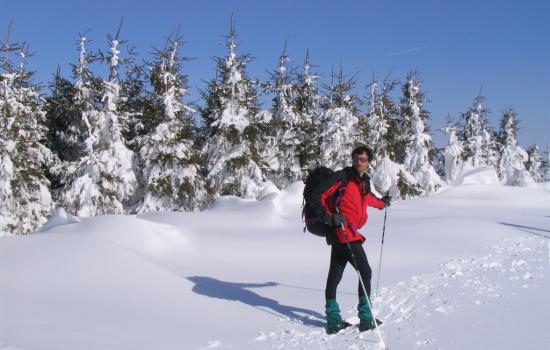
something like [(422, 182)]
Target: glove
[(387, 201), (335, 220)]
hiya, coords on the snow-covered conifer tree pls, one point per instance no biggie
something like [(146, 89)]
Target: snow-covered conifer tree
[(89, 91), (68, 104), (339, 129), (132, 103), (453, 152), (103, 180), (231, 150), (66, 129), (473, 135), (67, 111), (306, 106), (372, 126), (382, 118), (25, 200), (545, 166), (381, 134), (511, 165), (123, 97), (437, 159), (284, 152), (170, 160), (490, 147), (534, 163), (416, 140)]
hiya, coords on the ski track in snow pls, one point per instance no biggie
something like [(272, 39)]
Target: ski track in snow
[(407, 308)]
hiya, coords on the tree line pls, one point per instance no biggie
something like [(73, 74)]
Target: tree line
[(129, 142)]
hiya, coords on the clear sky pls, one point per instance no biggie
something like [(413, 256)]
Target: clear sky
[(457, 46)]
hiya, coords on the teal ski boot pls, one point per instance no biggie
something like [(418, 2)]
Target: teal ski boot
[(366, 321), (334, 321)]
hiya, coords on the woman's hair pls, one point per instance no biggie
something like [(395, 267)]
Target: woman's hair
[(363, 149)]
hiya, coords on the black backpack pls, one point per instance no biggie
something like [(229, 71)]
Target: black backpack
[(316, 177)]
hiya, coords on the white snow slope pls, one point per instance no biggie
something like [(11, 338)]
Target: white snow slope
[(467, 268)]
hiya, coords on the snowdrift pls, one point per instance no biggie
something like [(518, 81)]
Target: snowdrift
[(485, 176), (460, 268)]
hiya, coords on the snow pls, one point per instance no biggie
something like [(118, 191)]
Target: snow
[(483, 175), (465, 268), (386, 175), (233, 115), (58, 217)]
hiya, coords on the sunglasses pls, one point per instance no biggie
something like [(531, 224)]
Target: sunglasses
[(361, 159)]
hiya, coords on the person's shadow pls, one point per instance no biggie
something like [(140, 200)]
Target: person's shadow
[(214, 288)]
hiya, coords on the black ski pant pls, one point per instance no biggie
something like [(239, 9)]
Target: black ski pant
[(339, 257)]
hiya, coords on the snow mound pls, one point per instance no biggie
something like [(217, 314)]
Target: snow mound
[(229, 203), (59, 217), (155, 241), (479, 176), (288, 203), (233, 203), (268, 191)]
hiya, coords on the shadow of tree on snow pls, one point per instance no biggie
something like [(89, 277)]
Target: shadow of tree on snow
[(215, 288), (529, 229)]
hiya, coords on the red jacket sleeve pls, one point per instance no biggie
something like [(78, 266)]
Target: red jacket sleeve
[(373, 201)]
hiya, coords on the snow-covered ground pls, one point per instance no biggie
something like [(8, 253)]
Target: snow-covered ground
[(467, 268)]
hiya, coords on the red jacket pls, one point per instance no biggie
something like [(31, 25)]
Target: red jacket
[(353, 203)]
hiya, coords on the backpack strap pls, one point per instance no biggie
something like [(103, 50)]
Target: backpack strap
[(339, 194)]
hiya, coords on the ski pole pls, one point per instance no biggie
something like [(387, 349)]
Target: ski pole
[(363, 286), (381, 251)]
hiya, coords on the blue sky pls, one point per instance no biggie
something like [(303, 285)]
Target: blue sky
[(456, 45)]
